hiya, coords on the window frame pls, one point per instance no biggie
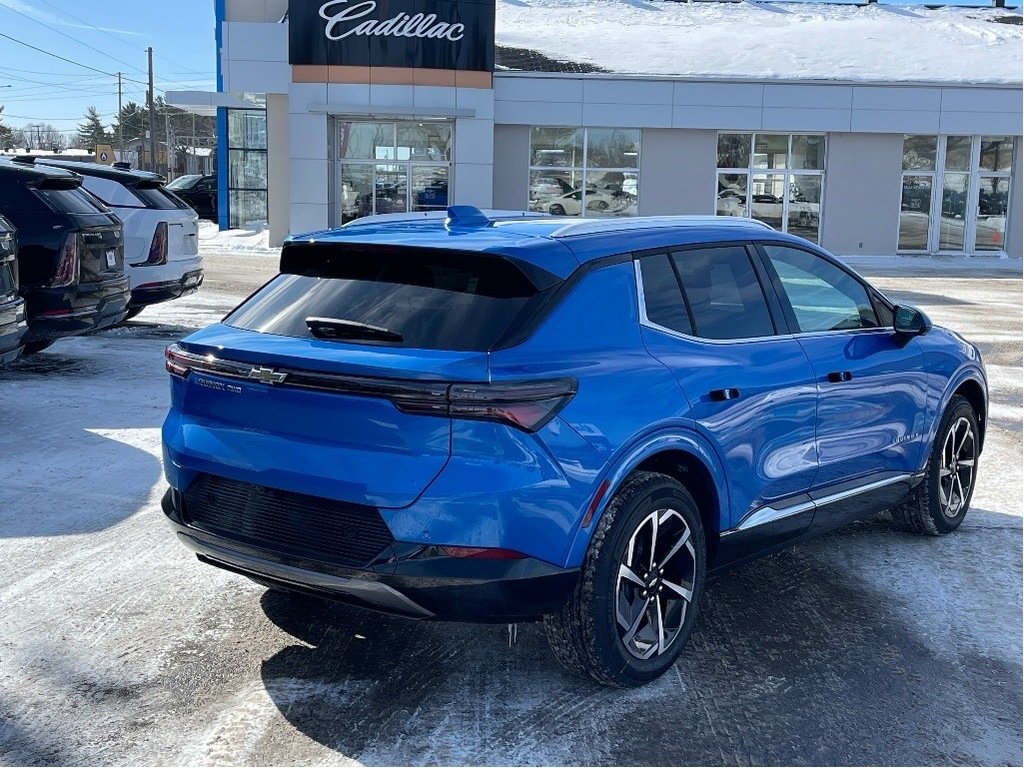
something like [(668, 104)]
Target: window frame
[(876, 297), (787, 172), (585, 171), (975, 174), (779, 321)]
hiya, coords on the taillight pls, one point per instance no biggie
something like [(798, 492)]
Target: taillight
[(178, 362), (482, 553), (67, 268), (527, 405), (157, 249)]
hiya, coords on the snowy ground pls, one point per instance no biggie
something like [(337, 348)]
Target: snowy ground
[(117, 647)]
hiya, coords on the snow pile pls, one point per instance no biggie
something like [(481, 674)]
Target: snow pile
[(211, 238), (770, 40)]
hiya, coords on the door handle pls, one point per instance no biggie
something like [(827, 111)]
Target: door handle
[(721, 395), (838, 377)]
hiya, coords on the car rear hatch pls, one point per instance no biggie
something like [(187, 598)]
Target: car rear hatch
[(96, 236), (334, 380)]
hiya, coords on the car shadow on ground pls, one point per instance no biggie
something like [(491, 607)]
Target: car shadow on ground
[(789, 665), (101, 462)]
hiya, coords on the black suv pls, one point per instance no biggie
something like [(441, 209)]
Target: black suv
[(199, 191), (71, 253), (12, 306)]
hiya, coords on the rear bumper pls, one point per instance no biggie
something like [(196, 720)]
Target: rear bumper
[(413, 580), (57, 312), (166, 290)]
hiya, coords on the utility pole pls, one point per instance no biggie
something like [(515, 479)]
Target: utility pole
[(152, 115), (120, 122)]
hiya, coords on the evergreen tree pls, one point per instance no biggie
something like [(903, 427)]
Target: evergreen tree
[(91, 132), (131, 122)]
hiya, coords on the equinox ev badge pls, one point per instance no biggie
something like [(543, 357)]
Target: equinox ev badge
[(267, 375)]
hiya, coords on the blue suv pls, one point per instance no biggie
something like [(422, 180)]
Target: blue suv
[(503, 419)]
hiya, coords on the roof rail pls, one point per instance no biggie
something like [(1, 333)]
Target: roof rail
[(462, 212), (598, 226), (24, 159)]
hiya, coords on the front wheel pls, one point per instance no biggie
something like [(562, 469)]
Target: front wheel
[(636, 601), (939, 504)]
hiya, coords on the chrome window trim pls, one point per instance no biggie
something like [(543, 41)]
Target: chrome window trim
[(646, 321), (770, 514)]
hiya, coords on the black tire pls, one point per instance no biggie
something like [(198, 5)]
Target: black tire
[(36, 346), (557, 210), (585, 635), (930, 508), (132, 312)]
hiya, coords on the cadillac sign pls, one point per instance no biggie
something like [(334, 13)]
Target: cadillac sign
[(422, 34)]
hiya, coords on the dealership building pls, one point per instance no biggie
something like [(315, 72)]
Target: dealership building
[(870, 129)]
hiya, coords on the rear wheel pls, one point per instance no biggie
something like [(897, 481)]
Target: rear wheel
[(636, 601), (939, 504)]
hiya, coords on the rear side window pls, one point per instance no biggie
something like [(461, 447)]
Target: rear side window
[(724, 295), (423, 299), (663, 300)]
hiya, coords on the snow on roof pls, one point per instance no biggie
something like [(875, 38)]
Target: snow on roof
[(767, 40)]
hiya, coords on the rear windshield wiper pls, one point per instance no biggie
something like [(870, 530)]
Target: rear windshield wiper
[(334, 328)]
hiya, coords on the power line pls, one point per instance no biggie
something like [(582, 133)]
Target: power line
[(121, 38), (54, 55)]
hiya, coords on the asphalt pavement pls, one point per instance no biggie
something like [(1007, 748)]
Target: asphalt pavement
[(868, 646)]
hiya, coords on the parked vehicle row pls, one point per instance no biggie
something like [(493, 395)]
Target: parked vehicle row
[(92, 245)]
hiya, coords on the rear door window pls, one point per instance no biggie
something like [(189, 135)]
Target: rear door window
[(422, 298), (724, 295)]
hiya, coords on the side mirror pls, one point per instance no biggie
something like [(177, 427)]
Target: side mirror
[(911, 321)]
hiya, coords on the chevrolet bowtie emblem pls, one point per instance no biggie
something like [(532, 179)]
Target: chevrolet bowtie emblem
[(267, 375)]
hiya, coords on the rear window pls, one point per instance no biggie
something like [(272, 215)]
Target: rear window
[(184, 182), (431, 299), (156, 197), (69, 201)]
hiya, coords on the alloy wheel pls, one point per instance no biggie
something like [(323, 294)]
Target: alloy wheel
[(956, 472), (655, 582)]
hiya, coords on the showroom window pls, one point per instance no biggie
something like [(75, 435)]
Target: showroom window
[(247, 167), (955, 193), (584, 171), (388, 167), (775, 178)]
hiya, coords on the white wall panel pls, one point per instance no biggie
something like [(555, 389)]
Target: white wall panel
[(307, 136), (537, 88), (892, 121), (808, 96), (719, 94), (724, 118), (881, 97), (601, 91), (537, 113), (632, 116), (794, 119)]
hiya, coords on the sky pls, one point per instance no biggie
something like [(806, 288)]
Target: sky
[(110, 36)]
